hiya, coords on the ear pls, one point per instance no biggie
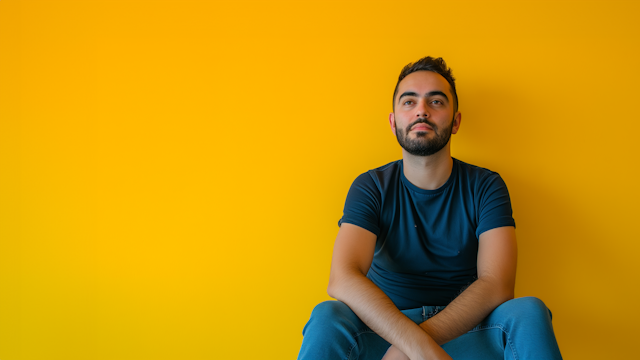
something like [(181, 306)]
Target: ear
[(392, 123), (456, 122)]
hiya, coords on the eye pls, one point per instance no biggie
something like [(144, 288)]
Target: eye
[(408, 102), (436, 102)]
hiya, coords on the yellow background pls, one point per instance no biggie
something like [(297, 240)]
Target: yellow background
[(172, 172)]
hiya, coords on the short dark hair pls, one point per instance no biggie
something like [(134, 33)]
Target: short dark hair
[(437, 66)]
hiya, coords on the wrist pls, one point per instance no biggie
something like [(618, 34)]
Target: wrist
[(429, 328), (426, 348)]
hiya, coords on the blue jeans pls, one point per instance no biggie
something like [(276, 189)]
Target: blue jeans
[(518, 329)]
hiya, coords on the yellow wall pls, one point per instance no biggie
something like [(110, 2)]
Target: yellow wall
[(172, 172)]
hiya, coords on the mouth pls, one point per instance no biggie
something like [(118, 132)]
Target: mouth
[(421, 127)]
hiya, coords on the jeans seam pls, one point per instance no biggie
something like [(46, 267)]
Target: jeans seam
[(502, 328), (431, 313), (355, 343)]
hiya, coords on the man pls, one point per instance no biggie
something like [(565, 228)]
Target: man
[(424, 263)]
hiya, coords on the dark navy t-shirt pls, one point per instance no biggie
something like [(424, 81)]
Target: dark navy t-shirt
[(427, 246)]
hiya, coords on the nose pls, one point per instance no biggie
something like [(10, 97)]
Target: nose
[(422, 110)]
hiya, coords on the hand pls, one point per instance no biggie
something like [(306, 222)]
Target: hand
[(393, 353)]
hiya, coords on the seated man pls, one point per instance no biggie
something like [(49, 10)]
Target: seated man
[(424, 264)]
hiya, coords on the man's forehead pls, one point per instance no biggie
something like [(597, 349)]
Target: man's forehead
[(424, 82)]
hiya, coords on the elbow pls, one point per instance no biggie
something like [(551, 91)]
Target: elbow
[(330, 291), (338, 284), (509, 289), (342, 283), (332, 288), (500, 292), (505, 293), (508, 295)]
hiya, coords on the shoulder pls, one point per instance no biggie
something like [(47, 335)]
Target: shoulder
[(369, 188), (381, 177), (366, 195), (477, 176), (473, 171), (489, 195)]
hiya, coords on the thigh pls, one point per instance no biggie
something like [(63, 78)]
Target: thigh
[(334, 331), (481, 343), (518, 328)]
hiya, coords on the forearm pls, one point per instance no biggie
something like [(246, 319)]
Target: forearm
[(376, 310), (467, 310)]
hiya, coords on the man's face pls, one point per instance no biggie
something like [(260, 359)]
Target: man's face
[(424, 119)]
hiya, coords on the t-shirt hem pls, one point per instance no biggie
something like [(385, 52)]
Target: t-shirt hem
[(370, 227), (480, 231)]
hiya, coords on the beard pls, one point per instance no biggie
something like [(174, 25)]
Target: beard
[(420, 145)]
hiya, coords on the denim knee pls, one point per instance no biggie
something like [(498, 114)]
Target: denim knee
[(525, 308), (531, 305), (334, 331), (527, 329), (333, 314), (332, 309)]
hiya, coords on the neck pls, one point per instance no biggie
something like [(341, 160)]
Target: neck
[(428, 172)]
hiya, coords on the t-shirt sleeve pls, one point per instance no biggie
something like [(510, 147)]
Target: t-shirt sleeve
[(494, 205), (362, 207)]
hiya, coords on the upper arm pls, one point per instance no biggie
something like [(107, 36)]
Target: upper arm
[(497, 258), (352, 253)]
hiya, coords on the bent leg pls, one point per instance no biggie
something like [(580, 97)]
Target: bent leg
[(519, 329), (334, 331), (530, 332)]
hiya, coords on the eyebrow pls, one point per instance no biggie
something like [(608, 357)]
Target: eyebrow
[(429, 94)]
